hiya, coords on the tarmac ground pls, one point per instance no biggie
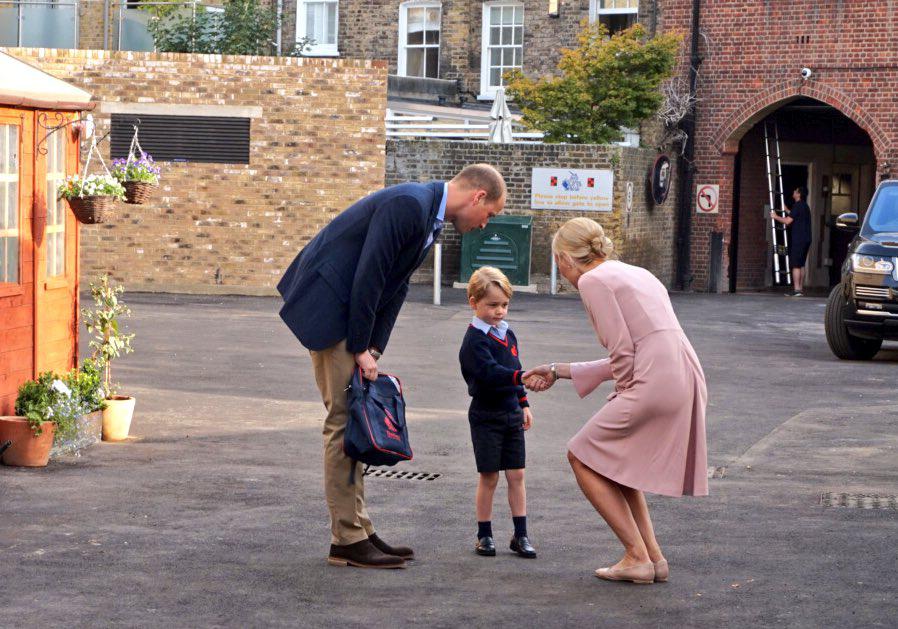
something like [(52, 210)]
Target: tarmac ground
[(213, 513)]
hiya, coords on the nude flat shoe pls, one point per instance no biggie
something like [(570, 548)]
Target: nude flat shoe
[(641, 573), (662, 571)]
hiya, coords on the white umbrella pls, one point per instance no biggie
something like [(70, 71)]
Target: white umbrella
[(500, 126)]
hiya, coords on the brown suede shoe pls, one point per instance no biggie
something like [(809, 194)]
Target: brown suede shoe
[(400, 551), (363, 554)]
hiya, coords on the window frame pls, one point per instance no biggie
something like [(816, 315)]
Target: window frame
[(401, 59), (318, 50), (6, 287), (595, 12), (488, 92), (55, 231)]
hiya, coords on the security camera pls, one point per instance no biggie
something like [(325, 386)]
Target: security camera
[(806, 73)]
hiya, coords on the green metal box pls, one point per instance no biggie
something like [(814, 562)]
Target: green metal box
[(505, 243)]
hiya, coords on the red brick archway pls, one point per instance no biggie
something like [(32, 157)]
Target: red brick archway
[(725, 143), (726, 138)]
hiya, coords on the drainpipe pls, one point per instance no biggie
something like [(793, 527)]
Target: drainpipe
[(686, 167), (106, 21), (277, 37)]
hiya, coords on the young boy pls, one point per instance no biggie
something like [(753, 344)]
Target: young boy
[(499, 413)]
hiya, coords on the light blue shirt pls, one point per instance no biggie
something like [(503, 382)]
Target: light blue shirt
[(486, 328), (441, 215)]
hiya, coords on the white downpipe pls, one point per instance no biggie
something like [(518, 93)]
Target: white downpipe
[(553, 282), (437, 272)]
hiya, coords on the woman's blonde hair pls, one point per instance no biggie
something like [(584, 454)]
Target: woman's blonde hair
[(583, 239), (483, 278)]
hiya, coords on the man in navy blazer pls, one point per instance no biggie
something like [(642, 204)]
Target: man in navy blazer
[(342, 294)]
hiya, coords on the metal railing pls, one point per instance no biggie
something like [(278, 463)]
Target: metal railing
[(427, 126), (58, 23), (39, 23)]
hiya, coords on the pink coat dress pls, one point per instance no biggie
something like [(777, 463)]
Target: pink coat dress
[(650, 435)]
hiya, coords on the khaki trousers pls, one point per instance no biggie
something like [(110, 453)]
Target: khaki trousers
[(349, 517)]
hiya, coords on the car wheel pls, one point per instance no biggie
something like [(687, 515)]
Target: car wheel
[(841, 342)]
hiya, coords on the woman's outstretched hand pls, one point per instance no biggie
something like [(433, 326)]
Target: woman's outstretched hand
[(538, 379)]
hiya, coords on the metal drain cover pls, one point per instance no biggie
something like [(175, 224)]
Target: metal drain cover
[(400, 474), (859, 501)]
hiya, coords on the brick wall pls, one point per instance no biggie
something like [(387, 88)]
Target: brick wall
[(368, 29), (91, 25), (317, 145), (753, 53), (753, 228), (645, 238)]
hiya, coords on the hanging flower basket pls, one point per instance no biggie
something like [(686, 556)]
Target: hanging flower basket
[(138, 192), (93, 209), (139, 176), (91, 198)]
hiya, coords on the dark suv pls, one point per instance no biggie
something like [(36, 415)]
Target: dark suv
[(862, 309)]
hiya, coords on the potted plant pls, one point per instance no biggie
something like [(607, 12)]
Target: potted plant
[(109, 343), (91, 198), (46, 411), (138, 176)]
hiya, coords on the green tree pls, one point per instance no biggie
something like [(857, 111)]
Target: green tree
[(606, 83), (242, 27)]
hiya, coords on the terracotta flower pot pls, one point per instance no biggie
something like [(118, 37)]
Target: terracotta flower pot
[(27, 450), (117, 417)]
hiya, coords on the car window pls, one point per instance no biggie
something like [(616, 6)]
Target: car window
[(883, 216)]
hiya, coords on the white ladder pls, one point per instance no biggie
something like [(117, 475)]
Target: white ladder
[(782, 274)]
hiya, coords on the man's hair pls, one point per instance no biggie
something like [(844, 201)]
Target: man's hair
[(482, 177), (483, 278), (802, 192)]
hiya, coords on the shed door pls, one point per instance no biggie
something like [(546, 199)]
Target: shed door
[(16, 254), (56, 251)]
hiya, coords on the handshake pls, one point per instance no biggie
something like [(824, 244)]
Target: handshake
[(541, 378)]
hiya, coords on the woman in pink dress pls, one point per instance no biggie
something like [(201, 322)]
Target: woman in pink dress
[(650, 435)]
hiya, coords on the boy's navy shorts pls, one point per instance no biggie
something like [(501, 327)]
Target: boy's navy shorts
[(498, 438)]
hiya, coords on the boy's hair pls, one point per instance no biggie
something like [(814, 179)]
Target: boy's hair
[(483, 278)]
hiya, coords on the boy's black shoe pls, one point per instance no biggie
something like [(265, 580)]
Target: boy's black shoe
[(486, 547), (521, 545)]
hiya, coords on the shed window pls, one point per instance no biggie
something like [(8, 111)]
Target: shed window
[(9, 204), (56, 208)]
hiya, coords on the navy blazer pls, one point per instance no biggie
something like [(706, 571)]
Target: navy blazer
[(349, 282)]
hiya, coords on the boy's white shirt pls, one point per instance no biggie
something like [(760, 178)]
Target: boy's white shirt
[(486, 328)]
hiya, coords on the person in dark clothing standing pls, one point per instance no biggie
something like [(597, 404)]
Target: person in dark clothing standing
[(499, 412), (342, 294), (798, 219)]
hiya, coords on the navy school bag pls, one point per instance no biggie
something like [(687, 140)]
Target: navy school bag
[(376, 433)]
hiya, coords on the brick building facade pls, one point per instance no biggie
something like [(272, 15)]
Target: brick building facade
[(372, 29), (316, 143), (839, 128), (642, 236)]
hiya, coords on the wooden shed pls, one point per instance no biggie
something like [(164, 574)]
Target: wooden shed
[(38, 232)]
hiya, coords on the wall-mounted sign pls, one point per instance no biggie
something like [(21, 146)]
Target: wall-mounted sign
[(661, 178), (571, 189), (706, 197)]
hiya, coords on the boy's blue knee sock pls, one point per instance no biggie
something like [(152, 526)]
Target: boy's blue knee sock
[(520, 525), (484, 529)]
